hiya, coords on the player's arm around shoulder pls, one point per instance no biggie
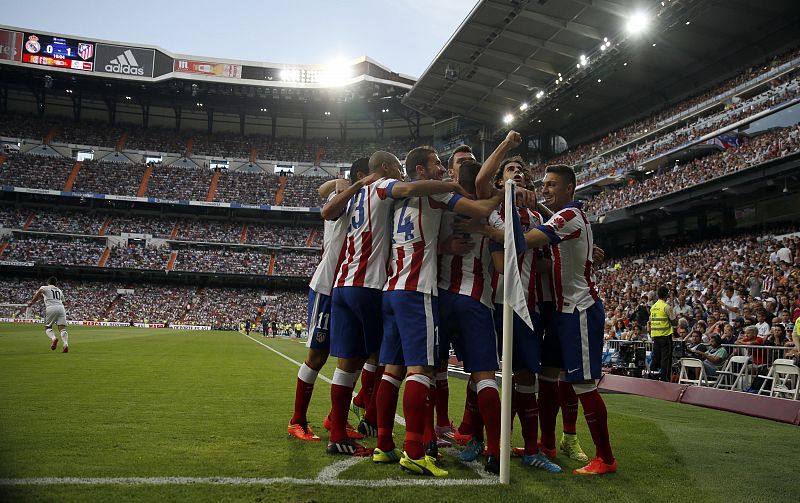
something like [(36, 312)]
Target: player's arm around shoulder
[(420, 188), (334, 208)]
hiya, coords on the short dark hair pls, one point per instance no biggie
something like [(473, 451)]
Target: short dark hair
[(467, 175), (461, 148), (565, 172), (663, 292), (417, 156), (52, 280), (519, 160), (360, 165)]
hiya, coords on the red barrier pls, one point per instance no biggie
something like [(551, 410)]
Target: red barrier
[(776, 409)]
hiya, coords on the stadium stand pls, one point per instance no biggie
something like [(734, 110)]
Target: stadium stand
[(752, 152), (648, 126)]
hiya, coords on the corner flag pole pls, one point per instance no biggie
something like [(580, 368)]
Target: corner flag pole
[(505, 402), (514, 301)]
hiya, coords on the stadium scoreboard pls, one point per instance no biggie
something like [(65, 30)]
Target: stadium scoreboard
[(61, 52)]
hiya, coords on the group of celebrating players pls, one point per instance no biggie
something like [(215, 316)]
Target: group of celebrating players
[(411, 268)]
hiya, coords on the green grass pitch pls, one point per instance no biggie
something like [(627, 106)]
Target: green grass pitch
[(128, 402)]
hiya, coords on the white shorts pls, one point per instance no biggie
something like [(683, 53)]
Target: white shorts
[(55, 315)]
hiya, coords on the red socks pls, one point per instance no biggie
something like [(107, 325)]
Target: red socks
[(371, 409), (386, 398), (528, 412), (416, 401), (489, 406), (367, 381), (569, 406), (465, 428), (306, 377), (594, 410), (341, 393), (442, 399), (548, 410), (474, 412)]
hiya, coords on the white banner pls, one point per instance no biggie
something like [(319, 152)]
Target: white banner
[(89, 323)]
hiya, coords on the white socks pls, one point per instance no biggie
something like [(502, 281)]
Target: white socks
[(50, 333), (64, 338)]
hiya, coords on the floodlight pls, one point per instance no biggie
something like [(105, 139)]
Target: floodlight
[(637, 23), (508, 119)]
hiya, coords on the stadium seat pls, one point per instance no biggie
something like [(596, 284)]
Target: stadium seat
[(692, 363), (766, 385), (732, 374), (785, 380)]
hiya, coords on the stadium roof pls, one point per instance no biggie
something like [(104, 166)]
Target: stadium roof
[(507, 52)]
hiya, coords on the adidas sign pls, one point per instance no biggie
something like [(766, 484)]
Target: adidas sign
[(126, 64)]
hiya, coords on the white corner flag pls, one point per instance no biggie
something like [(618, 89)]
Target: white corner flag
[(513, 302)]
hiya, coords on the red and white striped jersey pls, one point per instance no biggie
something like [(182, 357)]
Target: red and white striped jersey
[(415, 238), (538, 285), (366, 247), (466, 274), (571, 244), (334, 232)]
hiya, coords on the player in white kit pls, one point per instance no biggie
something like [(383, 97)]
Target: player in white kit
[(54, 312)]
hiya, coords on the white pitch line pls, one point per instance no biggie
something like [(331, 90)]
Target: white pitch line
[(238, 481)]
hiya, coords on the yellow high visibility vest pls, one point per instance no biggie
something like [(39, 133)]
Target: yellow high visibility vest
[(660, 325)]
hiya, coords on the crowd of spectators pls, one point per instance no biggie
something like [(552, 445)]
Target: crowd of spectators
[(246, 187), (283, 235), (13, 218), (630, 158), (302, 191), (224, 260), (642, 127), (295, 263), (717, 287), (158, 227), (48, 251), (151, 304), (751, 152), (176, 182), (109, 178), (209, 230), (65, 221), (135, 255), (36, 171)]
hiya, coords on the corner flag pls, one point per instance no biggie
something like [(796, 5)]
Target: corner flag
[(513, 302)]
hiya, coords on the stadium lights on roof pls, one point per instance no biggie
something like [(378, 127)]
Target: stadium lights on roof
[(688, 23), (263, 109), (577, 95), (336, 73), (599, 80), (508, 119), (540, 120), (540, 94), (523, 107), (637, 23), (199, 104), (556, 110), (128, 98)]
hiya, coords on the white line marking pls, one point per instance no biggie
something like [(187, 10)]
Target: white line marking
[(239, 481)]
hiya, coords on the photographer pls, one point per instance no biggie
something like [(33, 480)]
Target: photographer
[(662, 320)]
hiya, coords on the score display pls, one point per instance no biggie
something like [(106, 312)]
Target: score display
[(60, 52)]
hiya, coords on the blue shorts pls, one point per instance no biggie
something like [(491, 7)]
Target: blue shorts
[(356, 322), (580, 335), (468, 324), (410, 329), (319, 319), (526, 353)]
